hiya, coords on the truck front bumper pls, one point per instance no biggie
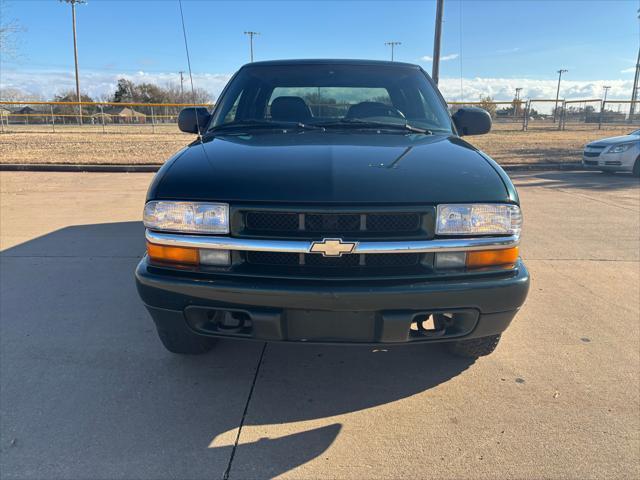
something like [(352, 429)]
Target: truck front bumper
[(332, 312)]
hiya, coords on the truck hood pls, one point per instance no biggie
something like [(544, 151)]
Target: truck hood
[(332, 167)]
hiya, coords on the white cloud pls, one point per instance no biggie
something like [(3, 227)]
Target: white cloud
[(444, 58), (47, 83), (504, 88), (629, 70)]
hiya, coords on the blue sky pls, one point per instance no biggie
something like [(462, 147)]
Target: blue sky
[(493, 45)]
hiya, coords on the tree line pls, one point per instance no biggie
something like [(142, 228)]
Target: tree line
[(126, 91)]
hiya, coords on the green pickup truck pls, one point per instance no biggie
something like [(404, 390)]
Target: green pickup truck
[(332, 201)]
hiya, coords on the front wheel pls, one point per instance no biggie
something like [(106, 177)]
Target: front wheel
[(474, 348), (636, 168)]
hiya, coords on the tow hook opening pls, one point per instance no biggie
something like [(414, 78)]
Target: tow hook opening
[(212, 320), (441, 324)]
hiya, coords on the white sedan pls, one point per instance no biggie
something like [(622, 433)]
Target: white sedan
[(614, 154)]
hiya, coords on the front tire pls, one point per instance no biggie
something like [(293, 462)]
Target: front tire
[(179, 339), (474, 348), (636, 168)]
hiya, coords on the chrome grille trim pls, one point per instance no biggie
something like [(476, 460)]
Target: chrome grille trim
[(304, 246)]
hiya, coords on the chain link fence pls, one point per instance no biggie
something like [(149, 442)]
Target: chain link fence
[(16, 117), (105, 117)]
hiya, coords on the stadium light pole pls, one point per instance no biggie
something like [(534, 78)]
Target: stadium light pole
[(606, 90), (251, 35), (392, 45), (516, 102), (75, 51), (435, 69), (634, 91), (181, 72), (555, 110)]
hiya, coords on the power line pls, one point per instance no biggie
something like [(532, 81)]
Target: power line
[(251, 35), (392, 45)]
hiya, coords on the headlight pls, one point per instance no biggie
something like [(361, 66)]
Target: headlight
[(187, 217), (622, 147), (479, 219)]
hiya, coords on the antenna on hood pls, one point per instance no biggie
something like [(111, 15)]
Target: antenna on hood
[(186, 47)]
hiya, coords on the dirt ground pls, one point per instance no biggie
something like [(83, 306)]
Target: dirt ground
[(140, 145)]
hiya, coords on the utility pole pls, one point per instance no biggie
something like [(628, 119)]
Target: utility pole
[(634, 91), (251, 35), (555, 110), (75, 52), (435, 69), (392, 45), (181, 85), (516, 101)]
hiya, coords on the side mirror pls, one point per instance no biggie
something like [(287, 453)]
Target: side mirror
[(191, 118), (472, 121)]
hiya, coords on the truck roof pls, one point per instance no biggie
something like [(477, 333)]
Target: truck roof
[(331, 61)]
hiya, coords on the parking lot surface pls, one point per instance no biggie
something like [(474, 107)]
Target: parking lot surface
[(87, 391)]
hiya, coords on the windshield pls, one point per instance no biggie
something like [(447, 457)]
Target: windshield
[(333, 96)]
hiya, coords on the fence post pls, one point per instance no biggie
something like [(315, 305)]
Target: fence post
[(53, 120), (153, 122), (102, 117)]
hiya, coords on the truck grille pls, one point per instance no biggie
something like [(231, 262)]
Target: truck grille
[(346, 261), (332, 223), (348, 223)]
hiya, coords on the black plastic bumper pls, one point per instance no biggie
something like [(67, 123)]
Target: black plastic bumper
[(368, 312)]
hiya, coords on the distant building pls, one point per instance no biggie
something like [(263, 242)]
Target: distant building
[(119, 115), (26, 115)]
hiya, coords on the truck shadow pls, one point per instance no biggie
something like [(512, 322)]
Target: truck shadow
[(86, 380)]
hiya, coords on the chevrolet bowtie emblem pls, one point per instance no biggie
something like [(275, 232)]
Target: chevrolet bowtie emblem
[(332, 247)]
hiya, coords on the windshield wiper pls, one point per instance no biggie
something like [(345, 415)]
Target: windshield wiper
[(360, 123), (264, 124)]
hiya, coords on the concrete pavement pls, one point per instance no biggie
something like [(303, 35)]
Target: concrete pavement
[(87, 391)]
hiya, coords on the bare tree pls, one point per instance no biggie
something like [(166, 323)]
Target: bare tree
[(488, 103), (11, 94), (10, 29)]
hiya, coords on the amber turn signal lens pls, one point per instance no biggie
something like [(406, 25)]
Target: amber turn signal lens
[(489, 258), (162, 253)]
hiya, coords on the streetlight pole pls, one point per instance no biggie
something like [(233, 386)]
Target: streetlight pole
[(555, 110), (75, 52), (392, 45), (251, 35), (435, 69)]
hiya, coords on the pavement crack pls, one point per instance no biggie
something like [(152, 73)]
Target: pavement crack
[(244, 413)]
